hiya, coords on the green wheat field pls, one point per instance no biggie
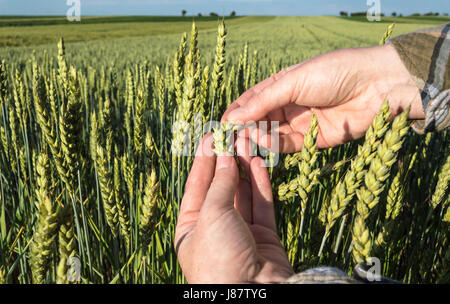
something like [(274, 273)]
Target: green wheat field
[(90, 184)]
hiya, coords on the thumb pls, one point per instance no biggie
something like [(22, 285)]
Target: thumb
[(224, 185), (278, 93)]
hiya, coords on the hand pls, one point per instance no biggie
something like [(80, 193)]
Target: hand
[(226, 228), (344, 88)]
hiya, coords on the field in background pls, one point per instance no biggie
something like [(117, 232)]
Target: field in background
[(34, 31), (26, 31), (87, 137), (281, 40)]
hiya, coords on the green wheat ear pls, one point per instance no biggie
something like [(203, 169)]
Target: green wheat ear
[(387, 34), (442, 184), (107, 191), (368, 194), (222, 136), (344, 191), (44, 237), (2, 275), (147, 219)]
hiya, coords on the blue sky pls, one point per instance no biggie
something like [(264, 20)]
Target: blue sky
[(222, 7)]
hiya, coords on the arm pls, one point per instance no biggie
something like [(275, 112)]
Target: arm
[(425, 53)]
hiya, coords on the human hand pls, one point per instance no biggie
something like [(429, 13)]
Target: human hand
[(226, 227), (344, 88)]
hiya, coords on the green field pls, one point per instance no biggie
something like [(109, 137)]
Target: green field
[(87, 167)]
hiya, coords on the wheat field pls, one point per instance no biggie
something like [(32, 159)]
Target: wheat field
[(91, 178)]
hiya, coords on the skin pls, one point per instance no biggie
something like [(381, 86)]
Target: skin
[(227, 224), (226, 228), (345, 88)]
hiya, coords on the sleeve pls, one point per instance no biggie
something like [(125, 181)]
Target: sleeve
[(425, 54), (332, 275)]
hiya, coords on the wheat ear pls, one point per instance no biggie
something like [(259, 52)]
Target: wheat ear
[(44, 236), (148, 206)]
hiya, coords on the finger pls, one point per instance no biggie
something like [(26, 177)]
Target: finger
[(224, 185), (276, 141), (276, 94), (198, 182), (247, 95), (263, 209), (243, 199)]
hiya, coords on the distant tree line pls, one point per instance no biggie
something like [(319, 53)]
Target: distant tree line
[(393, 14), (212, 14)]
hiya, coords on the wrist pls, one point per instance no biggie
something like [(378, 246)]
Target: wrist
[(402, 88)]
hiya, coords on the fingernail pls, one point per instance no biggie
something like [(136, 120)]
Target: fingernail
[(237, 114), (224, 161)]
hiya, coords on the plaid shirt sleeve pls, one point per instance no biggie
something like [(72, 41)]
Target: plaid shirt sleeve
[(425, 54)]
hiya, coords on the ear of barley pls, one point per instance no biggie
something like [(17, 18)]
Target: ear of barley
[(44, 236)]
